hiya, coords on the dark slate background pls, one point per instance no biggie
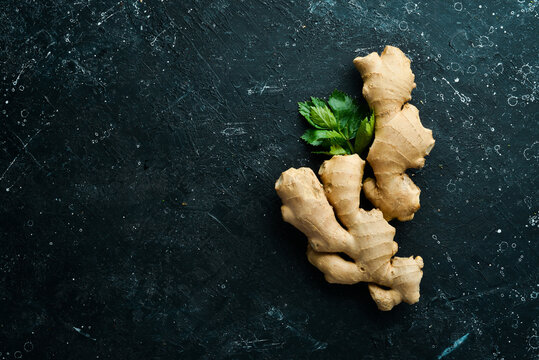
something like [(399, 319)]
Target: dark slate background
[(141, 140)]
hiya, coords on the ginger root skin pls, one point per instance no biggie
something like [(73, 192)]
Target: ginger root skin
[(367, 237), (400, 140)]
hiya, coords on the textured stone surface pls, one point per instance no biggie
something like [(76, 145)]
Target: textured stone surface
[(141, 140)]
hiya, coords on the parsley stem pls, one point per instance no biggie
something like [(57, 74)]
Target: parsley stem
[(350, 146), (348, 142)]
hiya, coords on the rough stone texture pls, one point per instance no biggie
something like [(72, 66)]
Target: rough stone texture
[(141, 140)]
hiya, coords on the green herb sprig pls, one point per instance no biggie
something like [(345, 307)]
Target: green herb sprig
[(341, 128)]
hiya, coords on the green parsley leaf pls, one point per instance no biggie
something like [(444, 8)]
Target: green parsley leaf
[(337, 150), (346, 112), (322, 116), (335, 126), (318, 102), (364, 134), (305, 110), (323, 137)]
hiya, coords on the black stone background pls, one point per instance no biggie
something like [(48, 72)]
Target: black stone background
[(141, 140)]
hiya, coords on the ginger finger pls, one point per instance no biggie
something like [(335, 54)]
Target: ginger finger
[(400, 140)]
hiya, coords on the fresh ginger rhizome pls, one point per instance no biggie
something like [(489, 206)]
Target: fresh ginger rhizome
[(400, 142)]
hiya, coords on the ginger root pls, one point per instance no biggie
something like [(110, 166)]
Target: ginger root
[(367, 239), (400, 140)]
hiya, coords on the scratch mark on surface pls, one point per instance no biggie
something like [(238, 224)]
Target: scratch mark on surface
[(313, 6), (219, 222), (260, 89), (9, 166), (231, 131), (195, 148), (79, 66), (177, 101), (465, 99), (453, 347), (48, 101), (17, 156), (24, 67), (152, 43), (25, 145), (317, 345), (105, 19), (257, 344), (104, 16), (83, 333), (530, 153)]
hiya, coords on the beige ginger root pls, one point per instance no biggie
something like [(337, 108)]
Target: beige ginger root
[(400, 140), (368, 238)]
